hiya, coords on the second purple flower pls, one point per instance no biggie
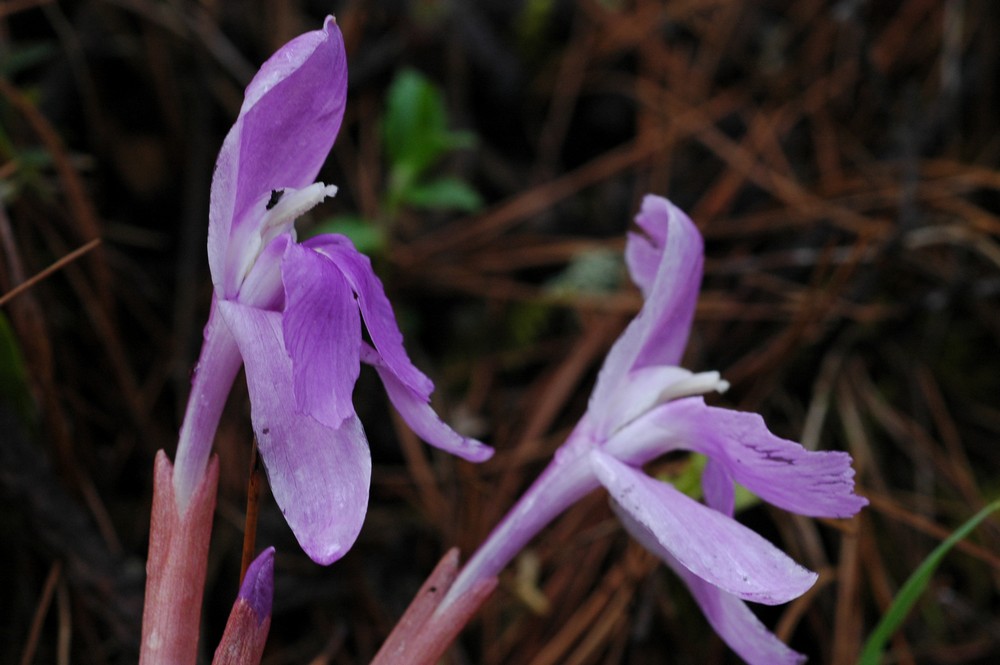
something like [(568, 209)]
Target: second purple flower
[(643, 406)]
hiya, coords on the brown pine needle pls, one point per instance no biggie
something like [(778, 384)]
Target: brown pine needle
[(253, 509), (48, 591), (58, 265)]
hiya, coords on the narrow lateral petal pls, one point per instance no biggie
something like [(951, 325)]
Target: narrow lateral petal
[(290, 117), (322, 330), (375, 309), (319, 476), (422, 419), (212, 379), (708, 543), (658, 335), (720, 494), (782, 472), (729, 616)]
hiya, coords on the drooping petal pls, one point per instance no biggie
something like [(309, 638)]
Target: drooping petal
[(322, 331), (319, 476), (782, 472), (418, 414), (708, 543), (736, 623), (290, 117), (375, 309), (658, 335), (729, 616)]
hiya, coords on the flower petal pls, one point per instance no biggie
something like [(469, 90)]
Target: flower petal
[(643, 251), (212, 379), (322, 331), (782, 472), (718, 487), (709, 544), (262, 286), (290, 117), (319, 476), (418, 414), (729, 616), (658, 335), (375, 309)]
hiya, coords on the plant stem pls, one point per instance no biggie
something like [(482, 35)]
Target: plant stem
[(176, 567)]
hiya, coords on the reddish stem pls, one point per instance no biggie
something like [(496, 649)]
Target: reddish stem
[(176, 567), (422, 635)]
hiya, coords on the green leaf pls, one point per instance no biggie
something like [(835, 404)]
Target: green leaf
[(914, 587), (744, 499), (443, 194), (367, 237), (415, 127), (688, 481), (415, 115)]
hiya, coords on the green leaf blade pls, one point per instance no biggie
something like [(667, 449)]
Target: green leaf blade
[(915, 586)]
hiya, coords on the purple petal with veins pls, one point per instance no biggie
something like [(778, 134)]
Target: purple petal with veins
[(319, 475), (322, 330), (711, 545)]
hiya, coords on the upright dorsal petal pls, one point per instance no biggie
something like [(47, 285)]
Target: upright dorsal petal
[(290, 117)]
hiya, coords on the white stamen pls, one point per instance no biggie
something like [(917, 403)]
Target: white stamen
[(650, 387), (288, 205), (696, 384), (293, 204)]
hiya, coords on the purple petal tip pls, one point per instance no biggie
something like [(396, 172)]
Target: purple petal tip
[(257, 589)]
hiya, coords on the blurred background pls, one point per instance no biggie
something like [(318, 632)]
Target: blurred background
[(842, 159)]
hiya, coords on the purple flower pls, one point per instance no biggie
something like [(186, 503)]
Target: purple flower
[(293, 313), (644, 406)]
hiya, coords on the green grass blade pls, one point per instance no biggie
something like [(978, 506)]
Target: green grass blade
[(914, 587)]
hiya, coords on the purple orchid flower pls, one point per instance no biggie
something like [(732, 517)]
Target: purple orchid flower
[(292, 313), (644, 406)]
